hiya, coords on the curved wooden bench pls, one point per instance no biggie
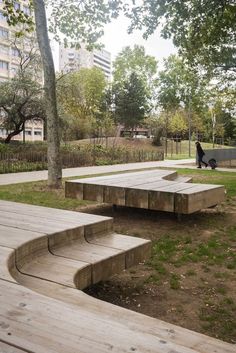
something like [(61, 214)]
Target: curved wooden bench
[(159, 190), (42, 311)]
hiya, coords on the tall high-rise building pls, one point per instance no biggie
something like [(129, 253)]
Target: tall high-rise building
[(71, 59), (10, 46), (12, 50)]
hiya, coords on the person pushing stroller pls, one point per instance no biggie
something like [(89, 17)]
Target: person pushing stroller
[(200, 154)]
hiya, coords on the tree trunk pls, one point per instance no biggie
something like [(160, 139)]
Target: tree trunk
[(54, 160), (12, 134)]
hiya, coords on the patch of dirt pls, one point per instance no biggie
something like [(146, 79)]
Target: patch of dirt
[(199, 293)]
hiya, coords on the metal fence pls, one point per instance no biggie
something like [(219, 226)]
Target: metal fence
[(30, 161)]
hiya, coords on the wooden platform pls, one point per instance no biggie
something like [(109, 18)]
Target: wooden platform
[(41, 309), (159, 190)]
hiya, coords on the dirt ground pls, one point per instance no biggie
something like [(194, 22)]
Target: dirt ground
[(190, 279)]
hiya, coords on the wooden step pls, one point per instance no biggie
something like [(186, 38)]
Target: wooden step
[(136, 250), (7, 264), (42, 311), (183, 179), (104, 261)]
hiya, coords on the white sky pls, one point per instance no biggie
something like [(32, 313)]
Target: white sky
[(116, 38)]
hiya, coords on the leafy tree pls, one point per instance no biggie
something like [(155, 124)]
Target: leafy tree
[(154, 123), (20, 101), (178, 123), (81, 21), (80, 96), (131, 102), (135, 60), (205, 31), (180, 87), (178, 84)]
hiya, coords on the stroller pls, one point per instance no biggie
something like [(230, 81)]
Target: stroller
[(212, 163)]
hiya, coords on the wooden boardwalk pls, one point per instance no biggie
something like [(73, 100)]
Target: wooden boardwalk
[(159, 190), (45, 256)]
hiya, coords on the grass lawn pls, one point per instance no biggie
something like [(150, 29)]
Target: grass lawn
[(190, 279)]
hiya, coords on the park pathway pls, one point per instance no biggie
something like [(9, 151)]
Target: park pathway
[(24, 177)]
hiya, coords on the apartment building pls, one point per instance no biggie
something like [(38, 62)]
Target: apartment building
[(71, 59), (10, 49), (9, 45), (33, 132)]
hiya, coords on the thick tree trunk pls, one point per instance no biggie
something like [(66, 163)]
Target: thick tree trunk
[(54, 161)]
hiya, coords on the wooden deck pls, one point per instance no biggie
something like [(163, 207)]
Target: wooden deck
[(41, 269), (158, 190)]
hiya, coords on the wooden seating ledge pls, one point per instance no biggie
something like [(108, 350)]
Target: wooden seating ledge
[(160, 190), (46, 257)]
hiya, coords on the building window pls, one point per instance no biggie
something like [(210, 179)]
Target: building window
[(2, 17), (28, 132), (15, 52), (4, 50), (4, 65), (3, 132), (26, 10), (3, 33), (16, 6), (38, 133)]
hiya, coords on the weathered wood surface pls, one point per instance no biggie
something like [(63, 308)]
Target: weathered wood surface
[(155, 190), (42, 311), (6, 348), (38, 246)]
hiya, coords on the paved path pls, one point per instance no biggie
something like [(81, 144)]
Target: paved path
[(15, 178)]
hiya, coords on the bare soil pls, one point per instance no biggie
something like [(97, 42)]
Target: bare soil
[(199, 292)]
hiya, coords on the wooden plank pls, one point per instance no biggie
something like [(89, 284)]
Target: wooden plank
[(7, 263), (93, 192), (136, 198), (114, 195), (29, 251), (98, 228), (14, 237), (122, 176), (45, 226), (34, 226), (74, 189), (123, 194), (199, 197), (6, 348), (95, 326), (93, 188), (148, 190), (123, 180), (142, 323), (162, 198), (65, 332), (161, 201), (61, 270), (136, 250), (104, 261), (52, 213)]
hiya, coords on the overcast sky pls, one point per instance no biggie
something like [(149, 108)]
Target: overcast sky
[(116, 38)]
